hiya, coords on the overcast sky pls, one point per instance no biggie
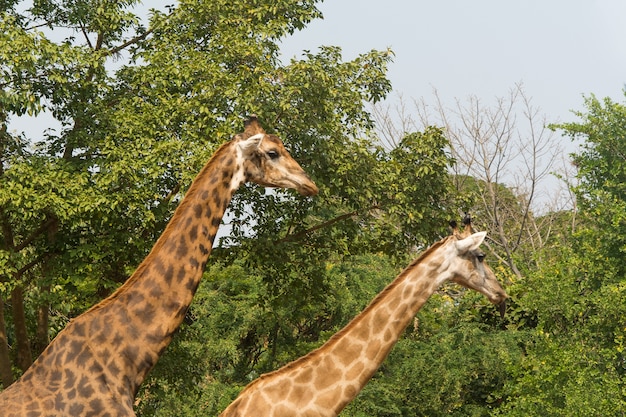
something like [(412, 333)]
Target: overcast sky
[(559, 49)]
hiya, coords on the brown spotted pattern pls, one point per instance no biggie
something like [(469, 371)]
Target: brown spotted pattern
[(95, 366), (323, 382)]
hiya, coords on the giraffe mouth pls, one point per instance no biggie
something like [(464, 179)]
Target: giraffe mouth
[(307, 188), (302, 183), (303, 186)]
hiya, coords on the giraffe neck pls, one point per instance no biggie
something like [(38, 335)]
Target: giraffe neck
[(124, 335), (327, 379)]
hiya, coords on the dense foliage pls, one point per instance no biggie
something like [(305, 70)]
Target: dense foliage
[(574, 360), (140, 106)]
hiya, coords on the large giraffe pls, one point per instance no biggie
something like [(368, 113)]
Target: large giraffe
[(324, 381), (96, 364)]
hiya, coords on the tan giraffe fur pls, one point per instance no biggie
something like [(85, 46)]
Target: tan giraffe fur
[(323, 382), (95, 366)]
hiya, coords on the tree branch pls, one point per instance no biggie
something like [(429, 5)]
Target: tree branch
[(42, 228), (31, 264), (86, 35), (301, 234), (171, 194), (130, 42)]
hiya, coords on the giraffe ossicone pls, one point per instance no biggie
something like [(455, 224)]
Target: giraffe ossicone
[(323, 382), (96, 364)]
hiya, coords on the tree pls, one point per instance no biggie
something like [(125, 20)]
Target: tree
[(601, 173), (574, 351), (504, 157), (47, 190)]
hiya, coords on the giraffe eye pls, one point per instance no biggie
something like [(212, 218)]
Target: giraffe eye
[(272, 154), (480, 257)]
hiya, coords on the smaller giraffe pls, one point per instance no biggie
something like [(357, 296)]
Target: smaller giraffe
[(324, 381)]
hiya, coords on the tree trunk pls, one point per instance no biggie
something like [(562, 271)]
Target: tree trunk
[(43, 316), (5, 361), (43, 322), (24, 356)]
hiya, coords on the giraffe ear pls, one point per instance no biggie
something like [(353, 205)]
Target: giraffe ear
[(250, 144), (471, 242)]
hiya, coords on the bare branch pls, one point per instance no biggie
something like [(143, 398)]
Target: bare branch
[(510, 153), (301, 234), (130, 42)]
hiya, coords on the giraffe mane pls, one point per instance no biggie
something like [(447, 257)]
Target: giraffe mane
[(163, 238)]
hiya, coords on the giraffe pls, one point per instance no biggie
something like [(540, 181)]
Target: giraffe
[(95, 365), (324, 381)]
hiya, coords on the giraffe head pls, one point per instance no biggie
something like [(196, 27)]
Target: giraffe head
[(266, 161), (469, 268)]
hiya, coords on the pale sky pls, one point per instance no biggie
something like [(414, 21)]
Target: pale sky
[(559, 50)]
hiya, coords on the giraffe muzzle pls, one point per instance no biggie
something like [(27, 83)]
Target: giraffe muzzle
[(308, 188)]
